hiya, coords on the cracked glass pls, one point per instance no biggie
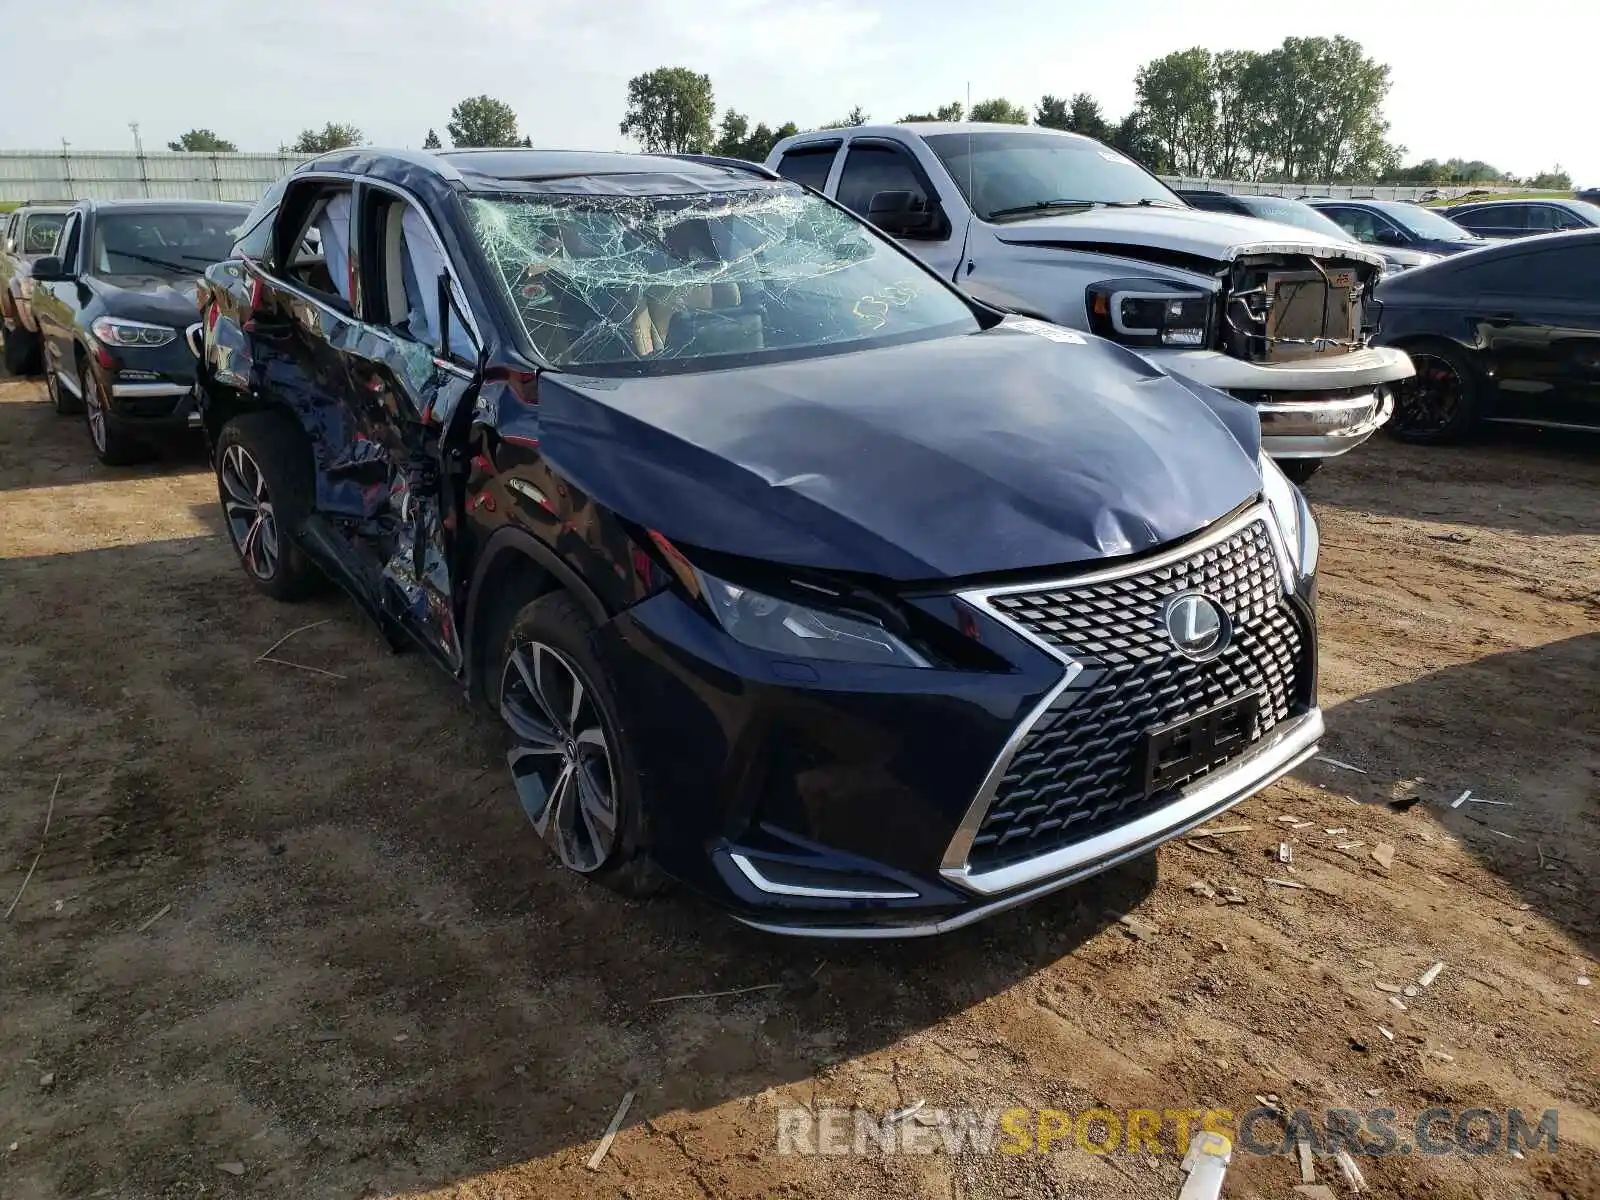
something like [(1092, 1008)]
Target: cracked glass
[(642, 284)]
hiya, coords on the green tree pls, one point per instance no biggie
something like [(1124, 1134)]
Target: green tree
[(203, 140), (1552, 180), (1086, 118), (431, 142), (1052, 113), (1238, 80), (945, 112), (1131, 138), (735, 138), (1001, 111), (331, 136), (1321, 112), (1177, 109), (670, 110), (482, 121)]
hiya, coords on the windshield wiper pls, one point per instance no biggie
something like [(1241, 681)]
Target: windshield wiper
[(1040, 206), (155, 262), (1146, 203)]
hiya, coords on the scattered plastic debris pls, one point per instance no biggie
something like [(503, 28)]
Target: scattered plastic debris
[(1308, 1173), (1431, 974), (154, 917), (1352, 1173), (1288, 883), (1383, 855), (1220, 830), (1386, 1033), (1412, 991), (1461, 799), (1201, 888), (1388, 987), (900, 1114), (1350, 845), (1206, 1162), (1398, 1003), (1335, 832), (1441, 1056), (1285, 854)]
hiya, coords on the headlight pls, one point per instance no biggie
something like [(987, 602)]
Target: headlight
[(113, 331), (1150, 312), (780, 627), (1293, 515)]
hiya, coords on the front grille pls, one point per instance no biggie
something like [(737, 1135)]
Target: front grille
[(1079, 770)]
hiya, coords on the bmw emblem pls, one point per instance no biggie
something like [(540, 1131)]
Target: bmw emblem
[(1197, 625)]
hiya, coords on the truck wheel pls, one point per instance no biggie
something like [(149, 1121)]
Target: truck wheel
[(265, 484), (570, 760), (112, 446), (62, 401), (1440, 403), (21, 351), (1300, 470)]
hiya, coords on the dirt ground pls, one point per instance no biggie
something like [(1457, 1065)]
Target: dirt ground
[(289, 936)]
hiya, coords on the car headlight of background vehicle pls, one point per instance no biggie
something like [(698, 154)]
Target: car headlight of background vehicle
[(781, 627), (1151, 312), (113, 331), (1293, 516)]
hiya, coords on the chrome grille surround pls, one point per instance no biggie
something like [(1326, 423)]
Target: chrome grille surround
[(1113, 629)]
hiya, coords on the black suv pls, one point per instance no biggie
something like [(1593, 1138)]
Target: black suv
[(112, 305), (860, 607)]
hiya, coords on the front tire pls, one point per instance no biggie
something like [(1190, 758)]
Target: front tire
[(1441, 402), (570, 762), (112, 446), (265, 484)]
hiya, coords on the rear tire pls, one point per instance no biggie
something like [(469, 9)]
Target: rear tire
[(265, 484), (62, 401), (571, 765), (21, 351), (1300, 470), (1442, 401)]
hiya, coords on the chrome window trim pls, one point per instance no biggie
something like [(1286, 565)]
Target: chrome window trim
[(954, 866), (771, 886)]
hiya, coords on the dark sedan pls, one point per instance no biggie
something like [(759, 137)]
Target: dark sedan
[(1524, 218), (858, 606), (1287, 211), (112, 304), (1396, 223), (1510, 335)]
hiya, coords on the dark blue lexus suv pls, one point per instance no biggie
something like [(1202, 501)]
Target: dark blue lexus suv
[(791, 572)]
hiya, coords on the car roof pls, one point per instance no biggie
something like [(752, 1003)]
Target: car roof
[(1363, 202), (925, 129), (29, 209), (1557, 200), (558, 171), (160, 206)]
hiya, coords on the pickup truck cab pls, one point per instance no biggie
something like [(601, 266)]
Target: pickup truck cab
[(25, 235), (113, 304), (1058, 227)]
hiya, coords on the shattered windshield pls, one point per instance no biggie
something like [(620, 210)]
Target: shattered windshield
[(656, 283)]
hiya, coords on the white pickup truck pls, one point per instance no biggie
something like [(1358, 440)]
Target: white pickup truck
[(1061, 228)]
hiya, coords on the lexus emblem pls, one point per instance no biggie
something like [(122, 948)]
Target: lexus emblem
[(1197, 625)]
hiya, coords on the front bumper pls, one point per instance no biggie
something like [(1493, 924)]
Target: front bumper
[(151, 391), (1319, 408), (831, 800)]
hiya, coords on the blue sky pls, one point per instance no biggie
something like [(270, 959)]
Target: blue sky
[(1518, 93)]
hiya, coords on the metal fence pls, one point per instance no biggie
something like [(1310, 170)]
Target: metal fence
[(39, 176), (43, 175)]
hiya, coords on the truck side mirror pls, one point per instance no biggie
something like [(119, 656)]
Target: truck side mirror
[(48, 270), (893, 212)]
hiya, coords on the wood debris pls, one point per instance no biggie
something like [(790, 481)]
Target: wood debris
[(1288, 883), (1335, 832), (1343, 766), (48, 813), (232, 1168), (900, 1114), (1202, 847), (1220, 830), (1386, 1033), (1431, 974), (599, 1155), (1441, 1056), (1351, 845), (1308, 1173), (1387, 987), (1233, 895), (759, 987), (1398, 1003), (1288, 820), (1383, 855), (154, 917)]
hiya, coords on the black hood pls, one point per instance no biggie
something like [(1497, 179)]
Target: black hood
[(953, 457), (161, 300)]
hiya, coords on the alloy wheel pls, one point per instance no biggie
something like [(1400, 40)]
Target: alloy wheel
[(248, 506), (561, 761), (94, 410), (1429, 401)]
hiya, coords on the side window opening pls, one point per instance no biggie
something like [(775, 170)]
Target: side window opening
[(66, 247), (313, 237), (401, 276), (871, 169)]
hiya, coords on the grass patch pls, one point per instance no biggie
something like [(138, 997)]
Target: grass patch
[(8, 205), (1500, 196)]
